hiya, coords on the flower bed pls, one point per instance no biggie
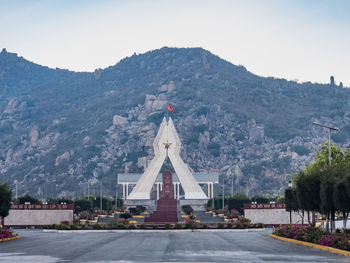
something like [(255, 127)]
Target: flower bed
[(190, 223), (6, 234), (339, 240)]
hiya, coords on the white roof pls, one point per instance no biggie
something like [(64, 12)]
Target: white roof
[(202, 177)]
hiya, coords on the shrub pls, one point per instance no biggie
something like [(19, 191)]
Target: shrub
[(65, 222), (85, 215), (244, 220), (122, 225), (125, 215), (336, 240), (142, 226), (141, 208), (6, 233), (167, 226), (187, 209), (243, 223), (204, 226), (134, 211), (112, 224), (220, 211), (314, 235), (259, 225), (189, 225), (229, 225), (131, 226), (178, 226), (97, 226), (61, 226), (73, 227), (221, 225)]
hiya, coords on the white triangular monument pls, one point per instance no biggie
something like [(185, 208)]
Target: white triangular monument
[(167, 144)]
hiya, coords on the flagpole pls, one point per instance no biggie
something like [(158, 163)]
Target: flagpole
[(167, 122), (167, 113)]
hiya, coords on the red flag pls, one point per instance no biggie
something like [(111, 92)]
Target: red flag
[(171, 109)]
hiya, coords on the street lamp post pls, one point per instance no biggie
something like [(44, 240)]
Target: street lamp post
[(223, 194), (101, 195), (232, 186), (290, 203), (116, 192), (329, 139), (330, 129)]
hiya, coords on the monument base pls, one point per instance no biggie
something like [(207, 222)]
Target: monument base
[(166, 212)]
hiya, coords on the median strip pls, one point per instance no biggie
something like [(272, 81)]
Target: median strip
[(8, 238), (308, 244)]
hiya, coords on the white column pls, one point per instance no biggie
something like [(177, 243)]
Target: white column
[(178, 191), (212, 190), (161, 186), (157, 191), (123, 191), (208, 190), (127, 190), (174, 184)]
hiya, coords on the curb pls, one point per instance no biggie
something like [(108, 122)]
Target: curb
[(308, 244), (152, 231), (9, 238)]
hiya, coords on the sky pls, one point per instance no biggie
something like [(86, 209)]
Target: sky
[(292, 39)]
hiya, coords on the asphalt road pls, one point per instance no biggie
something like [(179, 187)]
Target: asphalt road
[(37, 246)]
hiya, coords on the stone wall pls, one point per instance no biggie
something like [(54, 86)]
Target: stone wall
[(273, 216), (23, 217)]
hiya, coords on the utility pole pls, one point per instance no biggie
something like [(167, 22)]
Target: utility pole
[(223, 194), (116, 192), (232, 186), (46, 190), (16, 190), (88, 187), (101, 195), (290, 203)]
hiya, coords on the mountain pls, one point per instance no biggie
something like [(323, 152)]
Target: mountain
[(61, 129)]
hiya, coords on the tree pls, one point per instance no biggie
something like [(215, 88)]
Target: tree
[(237, 202), (327, 202), (290, 202), (5, 201), (28, 199), (324, 184), (322, 163), (55, 201), (308, 192), (341, 198), (260, 199), (106, 203), (82, 205)]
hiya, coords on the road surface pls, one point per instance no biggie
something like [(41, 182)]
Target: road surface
[(38, 246)]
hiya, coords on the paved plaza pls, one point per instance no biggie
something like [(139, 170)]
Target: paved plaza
[(220, 246)]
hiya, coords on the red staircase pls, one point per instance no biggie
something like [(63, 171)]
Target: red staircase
[(166, 206)]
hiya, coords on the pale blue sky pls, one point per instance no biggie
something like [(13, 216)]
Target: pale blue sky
[(304, 40)]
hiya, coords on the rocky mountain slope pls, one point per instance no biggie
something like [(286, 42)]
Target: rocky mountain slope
[(60, 130)]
